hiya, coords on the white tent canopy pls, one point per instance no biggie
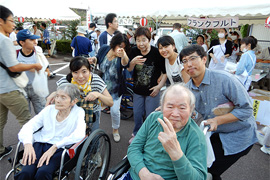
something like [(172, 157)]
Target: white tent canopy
[(248, 11), (40, 9)]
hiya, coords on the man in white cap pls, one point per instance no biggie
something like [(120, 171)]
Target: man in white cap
[(81, 44)]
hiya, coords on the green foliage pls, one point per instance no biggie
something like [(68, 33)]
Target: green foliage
[(213, 34), (18, 24), (244, 30), (63, 46), (71, 30)]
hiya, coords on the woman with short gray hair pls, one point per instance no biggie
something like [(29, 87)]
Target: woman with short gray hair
[(61, 124)]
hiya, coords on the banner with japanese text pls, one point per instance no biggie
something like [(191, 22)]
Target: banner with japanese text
[(213, 23)]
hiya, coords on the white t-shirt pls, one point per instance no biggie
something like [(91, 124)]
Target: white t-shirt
[(38, 33), (174, 71), (13, 38), (93, 39), (30, 59), (205, 47)]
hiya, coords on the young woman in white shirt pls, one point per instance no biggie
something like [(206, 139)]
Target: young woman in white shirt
[(174, 69)]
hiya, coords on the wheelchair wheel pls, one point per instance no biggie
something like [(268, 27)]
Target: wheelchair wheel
[(94, 158), (127, 104)]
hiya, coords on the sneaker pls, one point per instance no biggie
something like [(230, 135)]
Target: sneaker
[(7, 151), (52, 75), (260, 137), (266, 149), (116, 137)]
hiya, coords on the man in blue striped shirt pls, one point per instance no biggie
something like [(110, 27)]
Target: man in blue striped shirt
[(233, 133)]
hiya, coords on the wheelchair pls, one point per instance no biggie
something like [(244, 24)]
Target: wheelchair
[(88, 159), (126, 108)]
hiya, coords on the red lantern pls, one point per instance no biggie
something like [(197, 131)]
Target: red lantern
[(143, 21), (267, 22), (21, 19), (53, 21), (150, 29)]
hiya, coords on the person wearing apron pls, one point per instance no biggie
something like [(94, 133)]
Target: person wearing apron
[(247, 61), (220, 50)]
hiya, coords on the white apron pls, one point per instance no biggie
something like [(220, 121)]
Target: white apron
[(244, 78), (218, 51)]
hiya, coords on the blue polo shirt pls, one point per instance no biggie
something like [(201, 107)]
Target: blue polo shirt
[(83, 45)]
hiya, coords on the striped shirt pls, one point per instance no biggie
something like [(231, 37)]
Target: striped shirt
[(97, 85)]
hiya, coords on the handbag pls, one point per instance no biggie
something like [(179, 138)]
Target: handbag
[(20, 78)]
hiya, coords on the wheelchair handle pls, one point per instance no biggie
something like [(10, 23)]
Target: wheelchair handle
[(206, 128)]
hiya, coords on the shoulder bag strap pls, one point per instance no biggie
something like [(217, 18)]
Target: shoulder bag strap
[(77, 45)]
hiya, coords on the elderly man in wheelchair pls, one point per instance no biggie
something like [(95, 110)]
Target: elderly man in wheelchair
[(62, 124), (169, 145)]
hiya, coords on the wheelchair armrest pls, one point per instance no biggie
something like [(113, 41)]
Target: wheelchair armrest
[(68, 146), (73, 147), (123, 164)]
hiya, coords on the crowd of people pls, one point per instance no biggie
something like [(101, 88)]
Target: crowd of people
[(166, 142)]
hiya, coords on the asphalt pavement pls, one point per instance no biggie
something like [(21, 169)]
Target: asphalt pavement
[(254, 166)]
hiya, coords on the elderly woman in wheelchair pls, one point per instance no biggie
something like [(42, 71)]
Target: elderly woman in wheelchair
[(60, 124), (169, 145)]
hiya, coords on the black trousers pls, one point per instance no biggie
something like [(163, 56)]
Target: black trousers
[(222, 162), (45, 172)]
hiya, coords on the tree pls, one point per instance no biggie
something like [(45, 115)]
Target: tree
[(71, 30)]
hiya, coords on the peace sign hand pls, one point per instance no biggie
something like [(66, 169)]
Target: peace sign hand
[(169, 140)]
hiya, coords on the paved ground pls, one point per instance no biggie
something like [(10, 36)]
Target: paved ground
[(254, 166)]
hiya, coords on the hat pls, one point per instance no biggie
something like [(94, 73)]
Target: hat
[(81, 29), (239, 33), (92, 25), (26, 34), (97, 29)]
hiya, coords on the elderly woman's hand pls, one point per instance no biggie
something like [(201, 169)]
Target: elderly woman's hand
[(155, 90), (138, 60), (50, 99), (29, 155), (47, 156)]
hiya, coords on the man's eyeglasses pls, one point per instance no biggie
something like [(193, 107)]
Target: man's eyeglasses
[(191, 59), (10, 20)]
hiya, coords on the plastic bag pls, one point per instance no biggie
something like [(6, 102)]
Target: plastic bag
[(40, 83), (210, 153)]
